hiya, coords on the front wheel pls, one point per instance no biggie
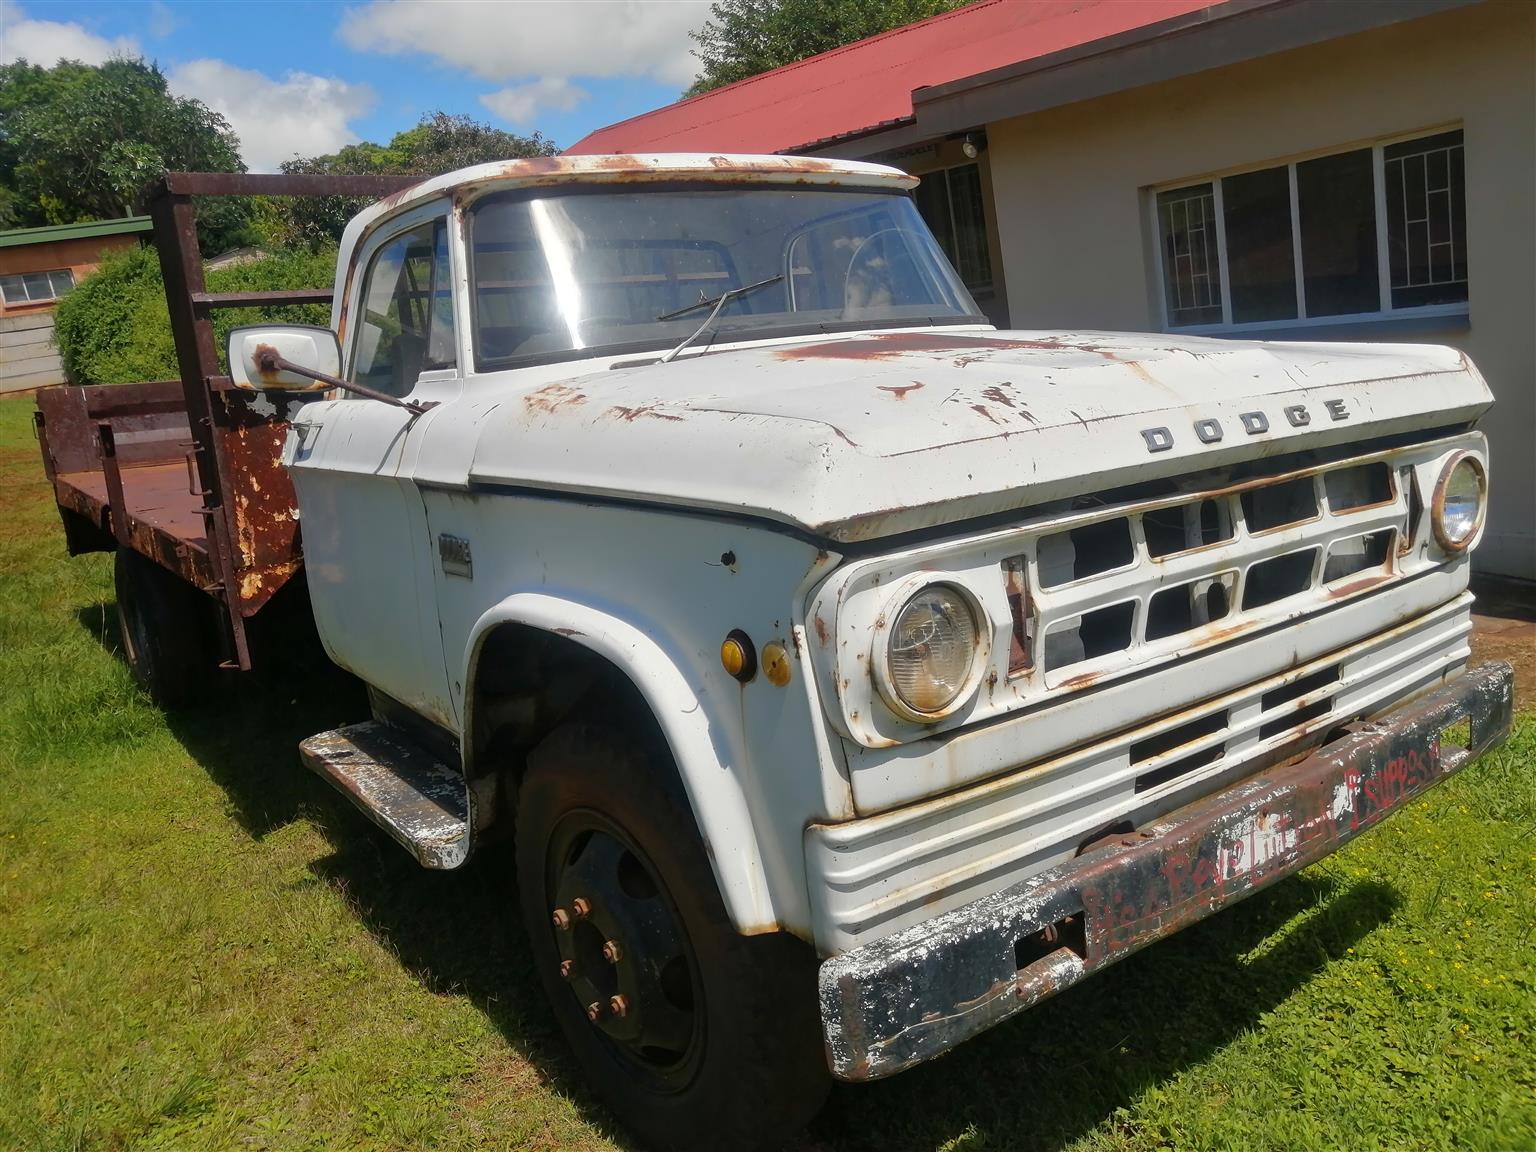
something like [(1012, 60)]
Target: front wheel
[(695, 1036)]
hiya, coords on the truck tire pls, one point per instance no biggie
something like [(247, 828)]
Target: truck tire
[(164, 628), (716, 1042)]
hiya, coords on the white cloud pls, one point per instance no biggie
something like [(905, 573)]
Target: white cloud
[(162, 21), (301, 114), (522, 102), (46, 42), (536, 38)]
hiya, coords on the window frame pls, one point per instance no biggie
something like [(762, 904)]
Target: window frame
[(1384, 311), (28, 299), (977, 290), (380, 236)]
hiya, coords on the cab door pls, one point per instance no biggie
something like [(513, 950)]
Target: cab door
[(364, 528)]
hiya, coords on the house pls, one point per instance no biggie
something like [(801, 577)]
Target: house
[(37, 266), (1284, 169)]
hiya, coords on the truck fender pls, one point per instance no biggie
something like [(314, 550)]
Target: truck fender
[(700, 749)]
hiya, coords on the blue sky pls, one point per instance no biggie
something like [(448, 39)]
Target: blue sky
[(306, 78)]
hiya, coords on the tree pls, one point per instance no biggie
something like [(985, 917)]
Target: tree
[(24, 88), (743, 38), (439, 143), (82, 143)]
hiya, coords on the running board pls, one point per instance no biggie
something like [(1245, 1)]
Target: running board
[(399, 785)]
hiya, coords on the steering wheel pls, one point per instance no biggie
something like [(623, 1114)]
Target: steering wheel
[(848, 276)]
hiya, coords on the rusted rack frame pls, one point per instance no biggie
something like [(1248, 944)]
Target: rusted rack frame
[(249, 546)]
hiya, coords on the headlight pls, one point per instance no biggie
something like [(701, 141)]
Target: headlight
[(935, 650), (1461, 498)]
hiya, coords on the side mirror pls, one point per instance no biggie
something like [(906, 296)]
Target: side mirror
[(302, 344)]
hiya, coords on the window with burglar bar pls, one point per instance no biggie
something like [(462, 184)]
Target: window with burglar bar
[(36, 287), (950, 201), (1365, 232)]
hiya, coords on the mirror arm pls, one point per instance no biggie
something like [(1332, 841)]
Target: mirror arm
[(269, 359)]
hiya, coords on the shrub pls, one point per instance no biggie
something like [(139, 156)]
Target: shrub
[(114, 328)]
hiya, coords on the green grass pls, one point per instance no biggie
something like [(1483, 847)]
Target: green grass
[(202, 948)]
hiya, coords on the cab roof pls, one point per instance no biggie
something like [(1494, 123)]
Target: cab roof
[(544, 171)]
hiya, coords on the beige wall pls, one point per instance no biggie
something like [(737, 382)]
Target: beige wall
[(1070, 188)]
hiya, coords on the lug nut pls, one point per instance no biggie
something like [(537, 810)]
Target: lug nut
[(561, 919), (581, 907), (612, 952), (595, 1011), (618, 1005), (565, 969)]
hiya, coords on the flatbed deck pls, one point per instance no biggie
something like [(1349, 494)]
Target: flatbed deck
[(162, 514), (155, 495)]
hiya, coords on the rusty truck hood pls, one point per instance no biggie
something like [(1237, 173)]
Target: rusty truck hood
[(864, 436)]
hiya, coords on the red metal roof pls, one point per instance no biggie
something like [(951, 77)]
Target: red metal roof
[(869, 83)]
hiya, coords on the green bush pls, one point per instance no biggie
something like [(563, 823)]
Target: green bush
[(113, 328)]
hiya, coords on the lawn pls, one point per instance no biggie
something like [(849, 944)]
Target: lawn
[(201, 947)]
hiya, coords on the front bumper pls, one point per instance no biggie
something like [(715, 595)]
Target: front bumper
[(905, 998)]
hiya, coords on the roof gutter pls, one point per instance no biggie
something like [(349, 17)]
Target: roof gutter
[(1223, 34)]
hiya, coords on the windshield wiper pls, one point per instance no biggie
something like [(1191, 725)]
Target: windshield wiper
[(719, 302)]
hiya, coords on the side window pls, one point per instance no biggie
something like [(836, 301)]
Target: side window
[(406, 325)]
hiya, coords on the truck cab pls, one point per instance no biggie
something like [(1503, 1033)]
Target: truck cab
[(849, 675)]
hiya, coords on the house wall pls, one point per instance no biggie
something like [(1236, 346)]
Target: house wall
[(1075, 235), (80, 256), (28, 357)]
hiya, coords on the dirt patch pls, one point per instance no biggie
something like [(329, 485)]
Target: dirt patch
[(1506, 638)]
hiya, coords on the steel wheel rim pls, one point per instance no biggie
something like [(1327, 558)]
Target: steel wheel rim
[(658, 1030)]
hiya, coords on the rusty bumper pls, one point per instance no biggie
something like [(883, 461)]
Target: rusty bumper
[(895, 1002)]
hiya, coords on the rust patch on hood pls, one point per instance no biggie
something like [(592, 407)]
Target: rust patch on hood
[(629, 415), (552, 397)]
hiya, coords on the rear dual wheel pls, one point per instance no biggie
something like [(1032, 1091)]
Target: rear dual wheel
[(165, 628), (694, 1035)]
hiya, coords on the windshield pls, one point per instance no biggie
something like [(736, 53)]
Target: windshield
[(557, 274)]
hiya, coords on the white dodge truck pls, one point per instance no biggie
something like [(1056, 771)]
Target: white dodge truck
[(850, 675)]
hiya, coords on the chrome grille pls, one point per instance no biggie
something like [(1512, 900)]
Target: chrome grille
[(1127, 582), (1179, 574)]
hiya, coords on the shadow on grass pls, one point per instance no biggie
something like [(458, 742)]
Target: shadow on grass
[(246, 734), (1037, 1082), (458, 932), (1071, 1064)]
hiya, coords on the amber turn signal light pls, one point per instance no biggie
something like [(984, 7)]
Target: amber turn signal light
[(738, 657)]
